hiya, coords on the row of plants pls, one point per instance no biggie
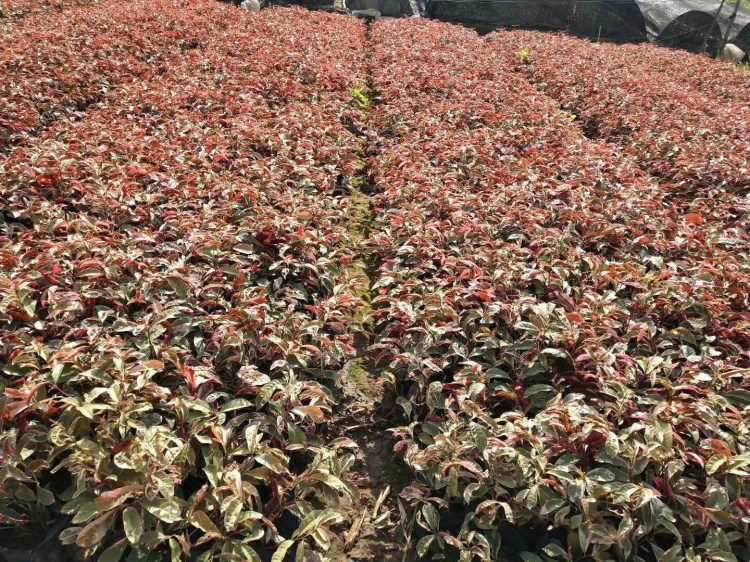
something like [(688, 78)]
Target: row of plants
[(12, 10), (568, 339), (698, 72), (53, 67), (175, 303), (672, 119)]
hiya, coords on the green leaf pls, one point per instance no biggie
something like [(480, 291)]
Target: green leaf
[(113, 553), (248, 554), (252, 436), (246, 249), (584, 536), (252, 376), (601, 475), (721, 556), (316, 520), (232, 509), (431, 517), (405, 404), (555, 551), (281, 551), (94, 532), (332, 481), (204, 523), (175, 552), (273, 460), (131, 520), (538, 389), (480, 437), (168, 511), (45, 496), (717, 540), (552, 505), (236, 404), (738, 397), (714, 464), (423, 546), (674, 554), (179, 286)]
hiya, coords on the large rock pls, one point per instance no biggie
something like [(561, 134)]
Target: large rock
[(250, 5), (733, 53)]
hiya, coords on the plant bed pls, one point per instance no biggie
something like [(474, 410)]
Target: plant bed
[(524, 311), (55, 68), (684, 124), (13, 10), (301, 288), (177, 258)]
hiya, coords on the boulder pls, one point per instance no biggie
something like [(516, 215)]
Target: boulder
[(733, 53), (250, 5), (368, 14)]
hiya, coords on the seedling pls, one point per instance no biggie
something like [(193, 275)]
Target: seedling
[(524, 55), (360, 97)]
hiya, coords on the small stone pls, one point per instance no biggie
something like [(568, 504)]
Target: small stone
[(733, 53), (251, 5)]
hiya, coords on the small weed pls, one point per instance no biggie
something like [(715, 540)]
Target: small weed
[(360, 97)]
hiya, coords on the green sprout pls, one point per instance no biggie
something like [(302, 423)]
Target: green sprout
[(360, 97)]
